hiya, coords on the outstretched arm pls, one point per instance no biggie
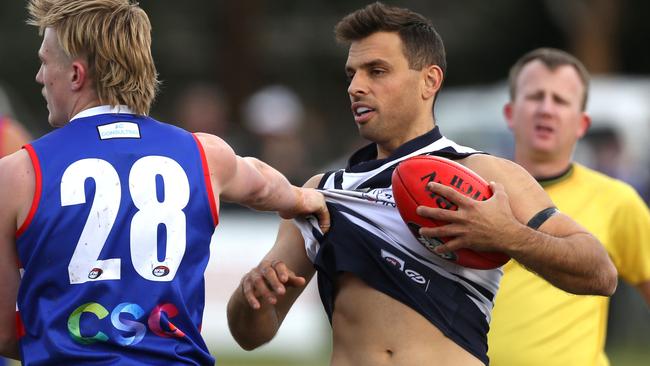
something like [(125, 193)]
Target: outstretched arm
[(561, 251), (253, 183)]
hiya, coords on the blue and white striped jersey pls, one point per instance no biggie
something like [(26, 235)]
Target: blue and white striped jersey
[(369, 239)]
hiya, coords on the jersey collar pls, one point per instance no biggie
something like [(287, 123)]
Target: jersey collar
[(365, 159), (549, 181), (103, 109)]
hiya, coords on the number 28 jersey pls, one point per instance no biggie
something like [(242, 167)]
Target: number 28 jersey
[(115, 245)]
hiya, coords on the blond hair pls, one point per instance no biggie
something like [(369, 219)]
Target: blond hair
[(115, 38)]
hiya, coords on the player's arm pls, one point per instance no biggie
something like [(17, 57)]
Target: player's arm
[(253, 183), (17, 182), (559, 250), (259, 305)]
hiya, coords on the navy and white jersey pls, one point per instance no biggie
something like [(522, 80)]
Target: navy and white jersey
[(369, 239), (114, 248)]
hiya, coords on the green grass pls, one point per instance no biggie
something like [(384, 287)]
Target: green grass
[(269, 362), (619, 356)]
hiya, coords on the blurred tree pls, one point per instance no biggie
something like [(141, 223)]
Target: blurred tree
[(592, 28)]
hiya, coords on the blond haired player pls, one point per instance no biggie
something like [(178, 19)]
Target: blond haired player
[(111, 215)]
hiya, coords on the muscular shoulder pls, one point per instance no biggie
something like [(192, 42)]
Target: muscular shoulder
[(526, 195), (492, 168), (221, 159), (17, 179), (15, 168), (213, 144)]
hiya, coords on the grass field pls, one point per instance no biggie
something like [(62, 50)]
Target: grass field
[(620, 356)]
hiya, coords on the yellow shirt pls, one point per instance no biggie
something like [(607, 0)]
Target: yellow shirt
[(534, 323)]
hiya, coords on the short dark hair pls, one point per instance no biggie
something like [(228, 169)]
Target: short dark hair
[(422, 44), (552, 58)]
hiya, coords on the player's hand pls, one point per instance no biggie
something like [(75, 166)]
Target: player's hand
[(267, 282), (310, 202), (477, 225)]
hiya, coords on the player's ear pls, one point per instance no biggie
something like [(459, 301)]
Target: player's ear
[(507, 114), (585, 122), (432, 77), (79, 75)]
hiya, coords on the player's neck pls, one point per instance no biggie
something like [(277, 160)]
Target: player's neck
[(386, 149), (84, 100)]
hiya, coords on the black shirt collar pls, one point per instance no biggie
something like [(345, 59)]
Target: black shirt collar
[(365, 159), (548, 181)]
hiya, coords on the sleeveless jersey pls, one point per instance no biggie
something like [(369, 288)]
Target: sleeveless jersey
[(369, 239), (115, 246), (537, 324)]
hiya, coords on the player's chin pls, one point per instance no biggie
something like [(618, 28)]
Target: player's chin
[(544, 148), (369, 132)]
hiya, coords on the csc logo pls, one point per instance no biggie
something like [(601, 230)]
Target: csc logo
[(160, 313)]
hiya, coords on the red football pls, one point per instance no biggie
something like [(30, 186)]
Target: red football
[(410, 180)]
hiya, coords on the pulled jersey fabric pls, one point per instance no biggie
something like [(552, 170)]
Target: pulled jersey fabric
[(535, 323), (114, 249), (368, 238)]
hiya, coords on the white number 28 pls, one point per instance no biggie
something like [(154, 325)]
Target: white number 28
[(85, 264)]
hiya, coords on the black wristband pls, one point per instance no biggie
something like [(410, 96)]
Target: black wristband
[(541, 217)]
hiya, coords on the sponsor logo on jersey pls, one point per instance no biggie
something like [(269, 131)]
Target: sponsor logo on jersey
[(382, 196), (127, 324), (416, 277), (119, 130)]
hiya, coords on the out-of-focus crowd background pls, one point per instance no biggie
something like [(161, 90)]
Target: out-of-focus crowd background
[(268, 77)]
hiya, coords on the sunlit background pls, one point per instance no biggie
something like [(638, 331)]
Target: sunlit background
[(268, 77)]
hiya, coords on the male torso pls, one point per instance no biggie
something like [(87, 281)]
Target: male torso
[(390, 300)]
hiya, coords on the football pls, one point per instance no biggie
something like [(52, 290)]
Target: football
[(410, 179)]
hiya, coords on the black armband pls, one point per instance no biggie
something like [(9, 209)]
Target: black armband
[(541, 217)]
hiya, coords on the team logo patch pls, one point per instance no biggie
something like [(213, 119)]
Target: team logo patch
[(95, 273), (401, 264), (392, 259), (160, 271)]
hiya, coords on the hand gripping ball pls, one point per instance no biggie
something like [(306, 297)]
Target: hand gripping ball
[(410, 179)]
